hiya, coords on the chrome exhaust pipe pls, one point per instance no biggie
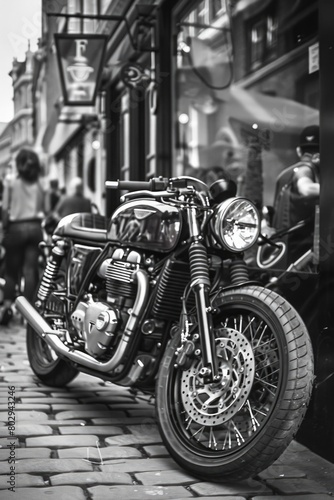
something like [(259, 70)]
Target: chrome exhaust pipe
[(51, 337), (35, 320)]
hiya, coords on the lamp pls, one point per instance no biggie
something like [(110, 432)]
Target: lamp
[(80, 61), (95, 141)]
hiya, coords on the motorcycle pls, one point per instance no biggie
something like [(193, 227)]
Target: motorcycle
[(159, 298)]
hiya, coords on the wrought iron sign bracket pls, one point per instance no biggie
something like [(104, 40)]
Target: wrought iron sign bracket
[(141, 22)]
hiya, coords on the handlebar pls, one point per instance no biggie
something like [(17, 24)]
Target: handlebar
[(155, 184), (148, 194), (162, 187)]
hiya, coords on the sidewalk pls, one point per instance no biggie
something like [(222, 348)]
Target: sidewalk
[(96, 441)]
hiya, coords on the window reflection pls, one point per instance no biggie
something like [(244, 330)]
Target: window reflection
[(246, 85), (263, 40)]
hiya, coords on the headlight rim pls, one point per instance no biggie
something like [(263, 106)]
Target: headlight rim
[(219, 215)]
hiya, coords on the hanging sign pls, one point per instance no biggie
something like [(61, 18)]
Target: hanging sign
[(80, 61)]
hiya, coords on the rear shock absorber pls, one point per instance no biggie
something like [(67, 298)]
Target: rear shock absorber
[(238, 271), (51, 270)]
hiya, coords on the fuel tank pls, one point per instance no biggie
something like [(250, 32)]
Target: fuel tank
[(146, 224), (85, 227)]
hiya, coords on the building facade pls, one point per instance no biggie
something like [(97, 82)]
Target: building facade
[(19, 131)]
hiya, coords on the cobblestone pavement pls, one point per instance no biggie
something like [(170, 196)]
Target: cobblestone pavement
[(97, 441)]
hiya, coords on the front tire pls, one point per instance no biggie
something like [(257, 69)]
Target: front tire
[(235, 429)]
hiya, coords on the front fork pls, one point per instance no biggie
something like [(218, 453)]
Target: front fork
[(200, 283)]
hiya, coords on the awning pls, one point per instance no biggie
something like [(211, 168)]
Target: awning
[(280, 114), (62, 129), (64, 133)]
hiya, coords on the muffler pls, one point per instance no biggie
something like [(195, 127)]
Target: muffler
[(50, 336)]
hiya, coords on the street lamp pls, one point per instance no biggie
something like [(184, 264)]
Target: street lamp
[(80, 61)]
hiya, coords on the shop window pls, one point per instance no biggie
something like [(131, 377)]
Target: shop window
[(227, 123)]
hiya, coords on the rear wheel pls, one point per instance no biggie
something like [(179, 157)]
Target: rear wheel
[(44, 361), (236, 428)]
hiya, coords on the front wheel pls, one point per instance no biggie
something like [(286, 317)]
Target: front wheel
[(236, 428)]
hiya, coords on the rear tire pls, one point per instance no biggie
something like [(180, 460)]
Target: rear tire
[(235, 429), (45, 363)]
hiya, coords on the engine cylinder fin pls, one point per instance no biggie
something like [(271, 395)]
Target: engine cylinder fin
[(119, 279)]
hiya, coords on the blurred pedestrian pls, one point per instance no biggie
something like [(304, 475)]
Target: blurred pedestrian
[(52, 196), (22, 213), (74, 201)]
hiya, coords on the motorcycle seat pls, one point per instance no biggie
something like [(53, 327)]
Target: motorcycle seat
[(83, 226)]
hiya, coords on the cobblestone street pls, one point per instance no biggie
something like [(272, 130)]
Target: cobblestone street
[(97, 441)]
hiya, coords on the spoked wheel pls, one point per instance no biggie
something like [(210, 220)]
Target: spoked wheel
[(45, 363), (237, 427)]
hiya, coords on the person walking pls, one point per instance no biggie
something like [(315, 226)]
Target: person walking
[(22, 213)]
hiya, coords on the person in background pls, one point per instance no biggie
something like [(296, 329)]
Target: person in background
[(297, 194), (74, 201), (52, 196), (212, 174), (22, 213), (308, 173)]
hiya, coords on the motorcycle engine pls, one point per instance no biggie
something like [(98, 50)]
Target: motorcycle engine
[(97, 322)]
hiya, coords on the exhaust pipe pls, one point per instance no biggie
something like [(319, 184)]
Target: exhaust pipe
[(50, 336)]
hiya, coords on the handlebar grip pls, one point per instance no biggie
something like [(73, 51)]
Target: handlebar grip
[(150, 185), (128, 185)]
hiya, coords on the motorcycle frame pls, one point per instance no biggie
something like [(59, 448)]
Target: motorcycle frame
[(199, 283)]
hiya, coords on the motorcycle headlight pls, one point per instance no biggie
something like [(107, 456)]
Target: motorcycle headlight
[(236, 224)]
